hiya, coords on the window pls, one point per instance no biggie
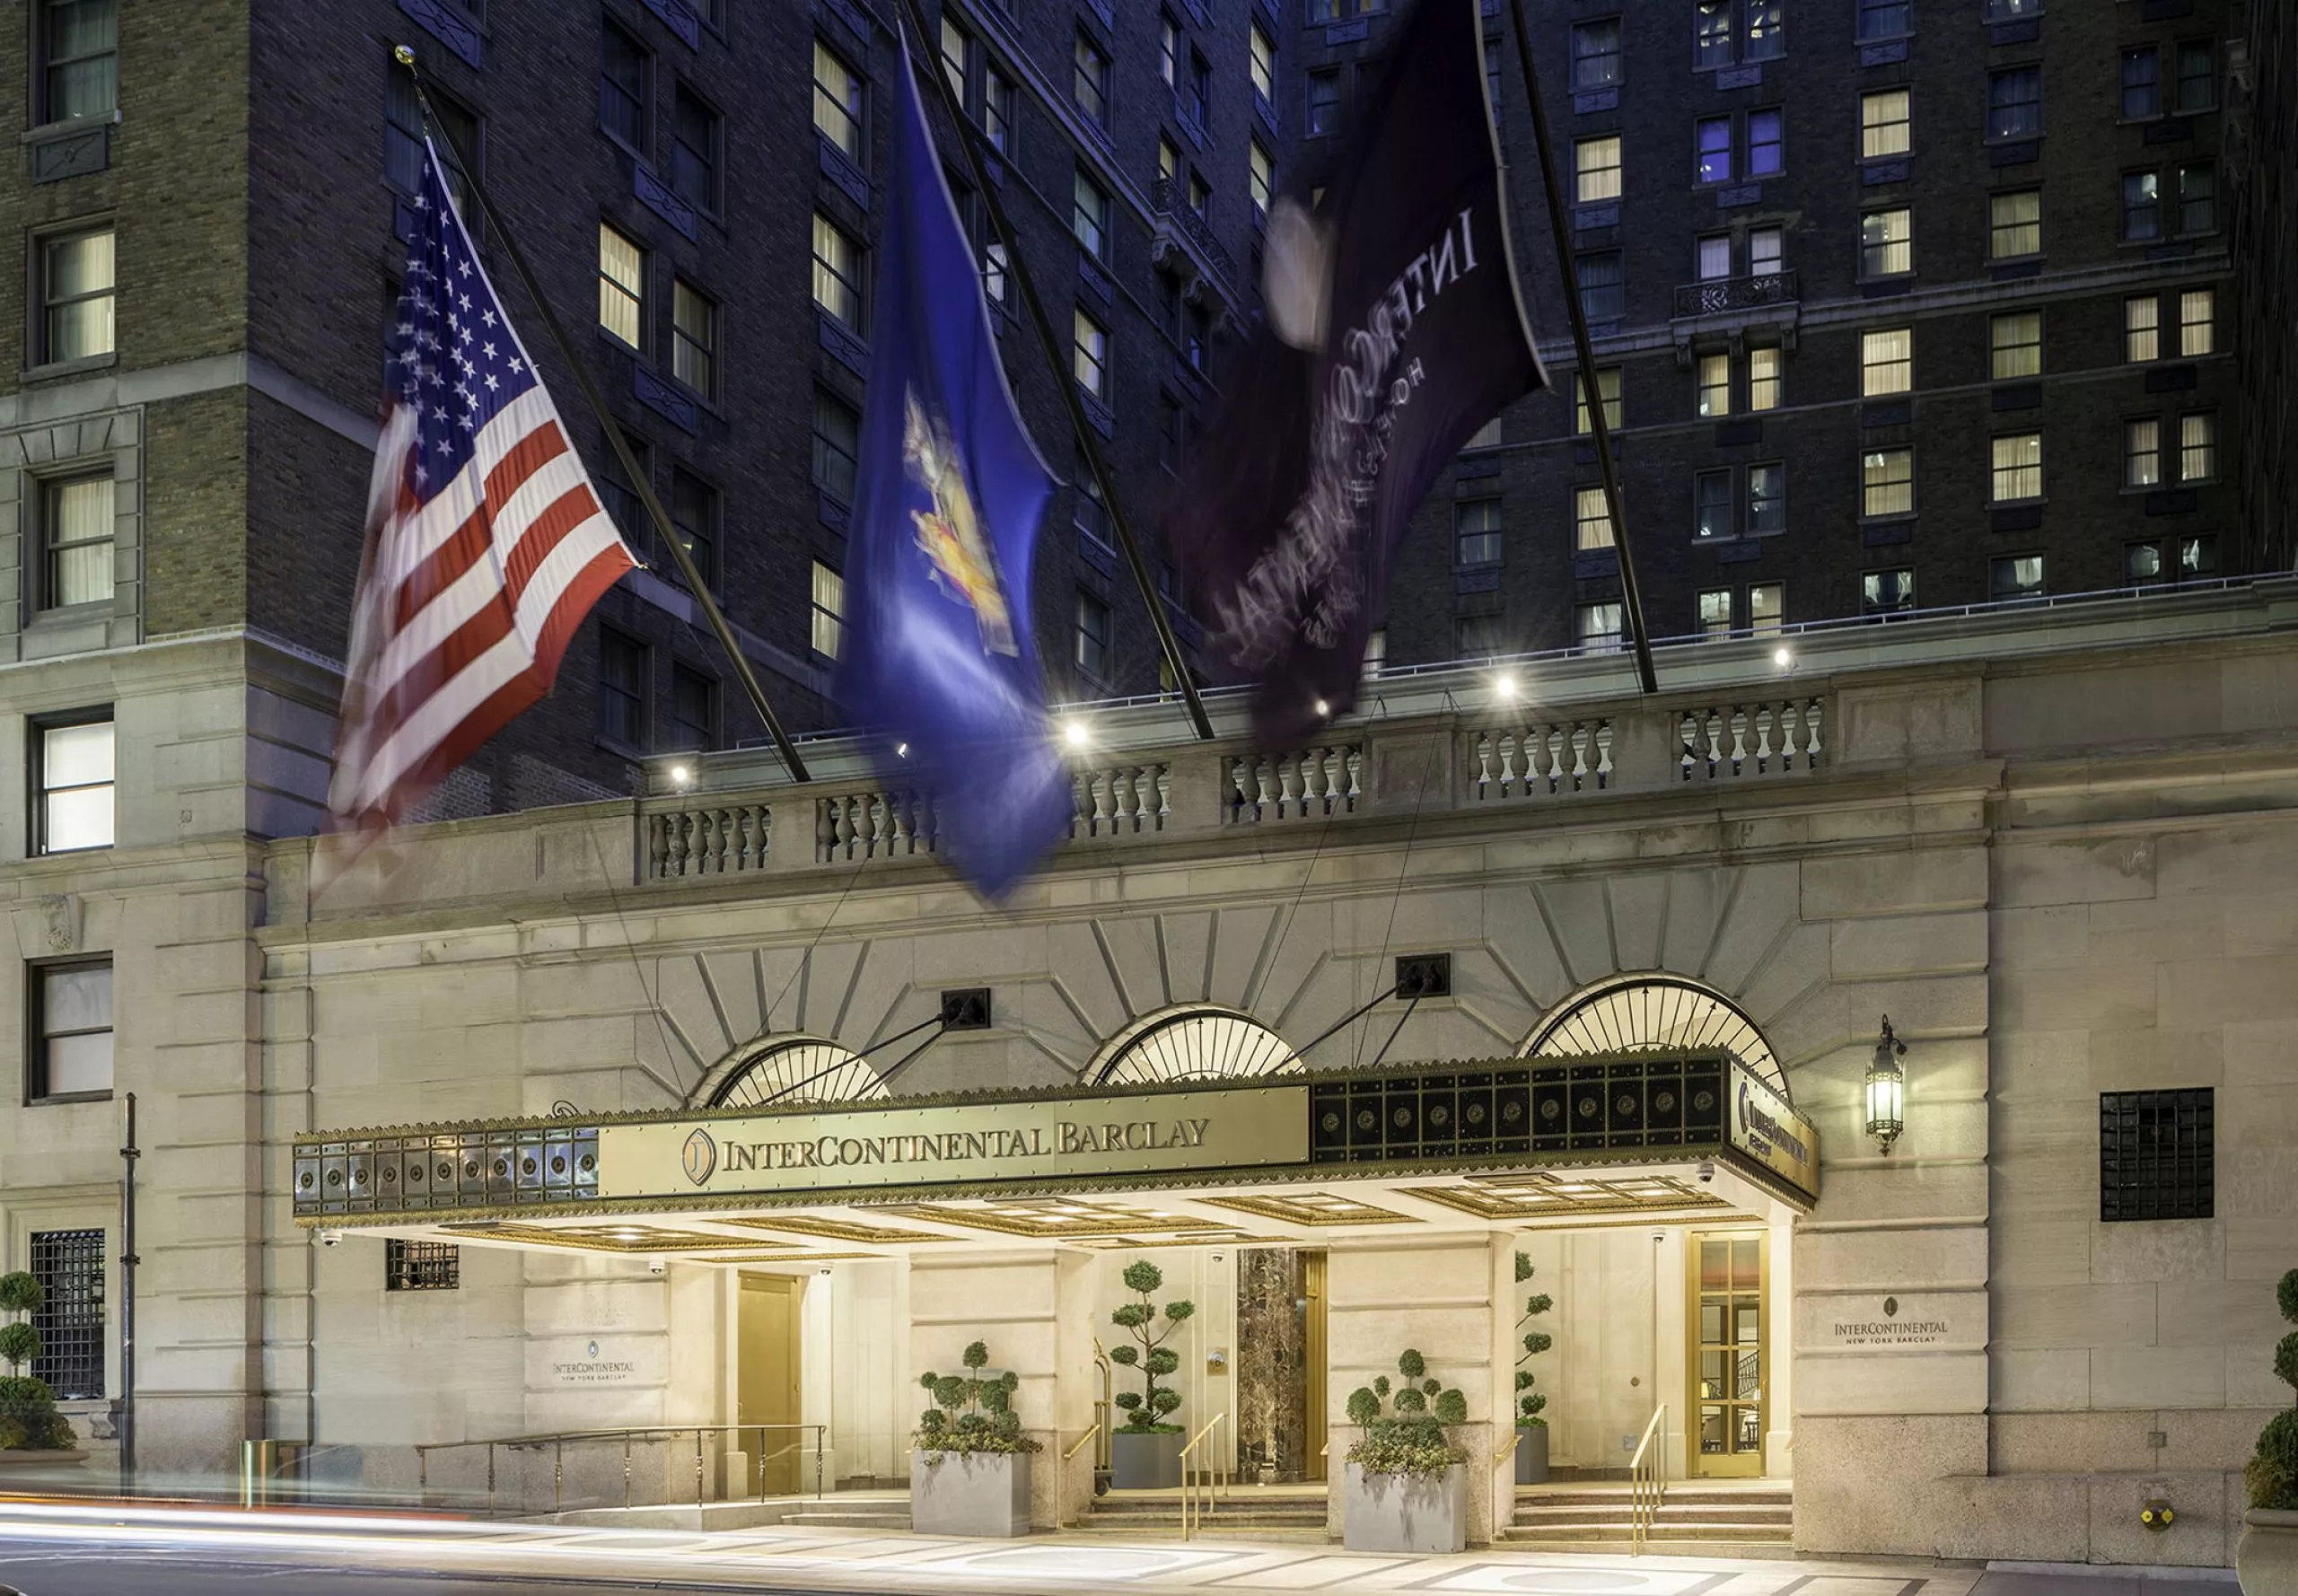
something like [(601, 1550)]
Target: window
[(69, 1265), (1886, 482), (1476, 532), (1713, 610), (1767, 143), (2197, 557), (1169, 432), (1474, 637), (1197, 106), (403, 139), (76, 295), (79, 52), (694, 517), (1767, 605), (2198, 446), (1885, 19), (1087, 512), (694, 132), (623, 64), (1764, 251), (1714, 257), (2005, 11), (1591, 523), (1200, 196), (2015, 224), (1260, 175), (1766, 500), (1089, 215), (993, 272), (421, 1265), (1263, 67), (837, 103), (1487, 436), (1712, 506), (1090, 357), (1596, 627), (1376, 651), (1763, 379), (694, 709), (837, 441), (619, 498), (1603, 297), (1595, 54), (75, 533), (1597, 162), (2142, 319), (1884, 127), (837, 273), (1714, 385), (2197, 321), (1089, 83), (73, 779), (1887, 243), (2197, 200), (979, 85), (2157, 1156), (622, 286), (2018, 468), (1714, 163), (2015, 576), (2015, 341), (2142, 206), (1712, 34), (2015, 103), (2142, 454), (622, 689), (2197, 77), (1324, 103), (72, 1018), (2142, 84), (694, 337), (1887, 362), (1606, 385), (1886, 593), (1767, 30), (828, 610), (1168, 50), (2141, 563), (1092, 636)]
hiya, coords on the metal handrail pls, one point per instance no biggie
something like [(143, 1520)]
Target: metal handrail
[(1104, 1411), (1091, 1435), (1507, 1448), (1192, 1474), (557, 1441), (1648, 1495)]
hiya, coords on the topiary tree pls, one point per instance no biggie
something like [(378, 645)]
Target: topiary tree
[(1529, 1402), (1409, 1437), (972, 1413), (29, 1421), (2273, 1475), (1148, 1408)]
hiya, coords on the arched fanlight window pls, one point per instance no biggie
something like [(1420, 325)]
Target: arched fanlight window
[(1196, 1043), (789, 1071), (1631, 1014)]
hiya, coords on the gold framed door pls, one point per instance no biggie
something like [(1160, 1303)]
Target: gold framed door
[(766, 1374), (1729, 1339), (1313, 1357)]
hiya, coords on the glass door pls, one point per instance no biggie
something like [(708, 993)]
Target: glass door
[(1727, 1339)]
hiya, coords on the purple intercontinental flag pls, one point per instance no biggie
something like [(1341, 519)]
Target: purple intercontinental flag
[(1394, 331)]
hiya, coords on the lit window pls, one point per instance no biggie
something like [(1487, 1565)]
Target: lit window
[(76, 291), (1714, 257), (1764, 251), (1597, 162), (622, 286), (837, 441), (79, 55), (421, 1265), (2198, 557), (1767, 30), (1767, 143), (1764, 367), (2142, 206), (1886, 593), (2005, 11), (2197, 447), (1091, 80), (1714, 135), (1090, 355), (2142, 84), (1487, 436), (2197, 77), (2016, 342), (71, 1022), (75, 778), (2015, 576), (1607, 385), (1887, 362), (1715, 611), (1883, 124), (1767, 607), (694, 339), (1089, 215), (75, 533), (1591, 523), (1711, 34), (838, 272), (1886, 482), (1264, 65), (1715, 372), (2197, 321), (2141, 563), (2016, 225), (2198, 199), (1260, 172), (2142, 319), (1198, 101), (1169, 50), (622, 689), (1596, 627), (1604, 294), (1887, 243), (1885, 19), (1766, 500), (837, 103), (2015, 103), (1376, 652), (1595, 54), (1476, 532), (2142, 454), (2018, 468), (623, 64), (1092, 636), (1712, 506), (829, 626)]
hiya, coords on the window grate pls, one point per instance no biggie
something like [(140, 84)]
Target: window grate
[(69, 1265), (2156, 1157), (422, 1266)]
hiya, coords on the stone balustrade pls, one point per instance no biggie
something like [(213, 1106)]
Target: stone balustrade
[(1123, 801), (1767, 738), (1521, 761), (1293, 787)]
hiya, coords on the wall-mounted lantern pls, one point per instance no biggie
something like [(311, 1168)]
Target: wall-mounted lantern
[(1886, 1089)]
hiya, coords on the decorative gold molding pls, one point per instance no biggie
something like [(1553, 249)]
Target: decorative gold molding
[(1300, 1210)]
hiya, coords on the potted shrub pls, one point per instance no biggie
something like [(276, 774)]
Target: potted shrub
[(31, 1429), (1145, 1450), (969, 1462), (1531, 1429), (2267, 1561), (1407, 1487)]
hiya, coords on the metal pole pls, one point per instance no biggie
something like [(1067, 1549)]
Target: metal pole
[(613, 429), (128, 1155), (697, 1468), (969, 137), (818, 1462), (626, 1471), (1630, 594)]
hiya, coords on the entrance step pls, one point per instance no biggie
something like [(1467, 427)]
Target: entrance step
[(856, 1515), (1249, 1512), (1705, 1519)]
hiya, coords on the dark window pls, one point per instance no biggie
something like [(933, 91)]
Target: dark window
[(2157, 1156), (1476, 532), (2142, 205), (1197, 106), (455, 129), (694, 516), (695, 132), (1767, 30), (1324, 103), (71, 1032), (1767, 143), (1169, 432), (837, 441), (620, 500), (73, 776), (1089, 83), (2198, 199), (1092, 636), (694, 337), (2197, 77), (623, 63), (421, 1265), (1196, 334), (2015, 576), (1712, 505), (1886, 593), (694, 709), (69, 1265), (1886, 18), (1474, 637), (1766, 500), (75, 538), (2142, 84), (76, 280), (79, 56), (622, 689), (2015, 103), (1086, 509), (1595, 54), (1603, 296), (1711, 34)]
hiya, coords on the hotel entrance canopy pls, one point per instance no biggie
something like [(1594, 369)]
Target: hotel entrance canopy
[(1510, 1144)]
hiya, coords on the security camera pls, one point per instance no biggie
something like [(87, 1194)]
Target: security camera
[(1706, 1171), (656, 1266), (330, 1238)]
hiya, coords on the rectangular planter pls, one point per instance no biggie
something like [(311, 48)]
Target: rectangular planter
[(1150, 1462), (987, 1494), (1405, 1512), (1531, 1455)]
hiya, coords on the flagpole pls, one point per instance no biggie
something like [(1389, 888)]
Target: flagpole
[(969, 137), (1597, 423), (631, 469)]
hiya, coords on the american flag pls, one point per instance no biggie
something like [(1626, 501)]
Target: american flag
[(485, 542)]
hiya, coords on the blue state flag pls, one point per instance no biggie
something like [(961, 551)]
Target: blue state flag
[(937, 664)]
